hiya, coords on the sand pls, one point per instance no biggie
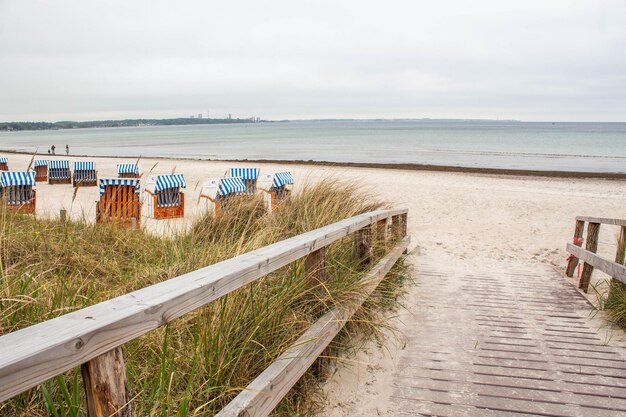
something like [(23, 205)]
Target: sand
[(482, 220)]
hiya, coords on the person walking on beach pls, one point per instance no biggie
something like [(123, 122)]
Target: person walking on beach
[(67, 149), (53, 148)]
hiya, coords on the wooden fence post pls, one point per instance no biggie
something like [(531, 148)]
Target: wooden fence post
[(593, 230), (363, 245), (315, 265), (382, 230), (63, 215), (578, 236), (105, 385), (621, 246)]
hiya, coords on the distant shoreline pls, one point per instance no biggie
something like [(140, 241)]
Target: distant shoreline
[(398, 166)]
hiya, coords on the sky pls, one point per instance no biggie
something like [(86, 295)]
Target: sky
[(525, 60)]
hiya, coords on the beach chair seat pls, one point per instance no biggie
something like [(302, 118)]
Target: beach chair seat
[(276, 188), (85, 174), (41, 170), (128, 171), (17, 191), (4, 164), (120, 201), (220, 193), (249, 177), (165, 198), (59, 172)]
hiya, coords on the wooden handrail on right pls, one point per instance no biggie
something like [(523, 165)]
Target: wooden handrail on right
[(588, 255)]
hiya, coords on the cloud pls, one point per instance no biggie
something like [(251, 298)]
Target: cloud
[(557, 60)]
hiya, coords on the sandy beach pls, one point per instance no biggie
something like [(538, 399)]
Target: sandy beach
[(481, 220)]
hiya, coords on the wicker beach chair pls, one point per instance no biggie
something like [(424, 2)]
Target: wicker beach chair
[(18, 191), (120, 201), (85, 174), (59, 172), (128, 171), (276, 188), (165, 198), (41, 170), (249, 177), (219, 194), (4, 164)]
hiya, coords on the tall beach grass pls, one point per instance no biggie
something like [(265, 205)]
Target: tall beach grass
[(195, 365)]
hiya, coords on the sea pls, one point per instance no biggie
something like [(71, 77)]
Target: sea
[(559, 146)]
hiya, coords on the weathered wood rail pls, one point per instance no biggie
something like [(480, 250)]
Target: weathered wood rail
[(92, 337), (615, 269)]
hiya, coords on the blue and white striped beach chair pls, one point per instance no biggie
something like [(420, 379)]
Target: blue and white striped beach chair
[(277, 187), (85, 174), (248, 175), (120, 201), (59, 172), (167, 200), (18, 191), (218, 192), (41, 169), (128, 171), (4, 164)]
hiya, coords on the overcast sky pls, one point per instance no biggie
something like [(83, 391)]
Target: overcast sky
[(528, 60)]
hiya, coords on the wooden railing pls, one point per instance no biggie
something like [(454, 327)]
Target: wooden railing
[(92, 337), (591, 260)]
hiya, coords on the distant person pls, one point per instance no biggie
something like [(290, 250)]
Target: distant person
[(67, 149), (53, 150)]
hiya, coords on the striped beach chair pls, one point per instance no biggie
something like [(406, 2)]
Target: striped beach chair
[(120, 201), (218, 193), (4, 164), (276, 188), (18, 191), (248, 175), (59, 172), (165, 198), (85, 174), (41, 170), (128, 171)]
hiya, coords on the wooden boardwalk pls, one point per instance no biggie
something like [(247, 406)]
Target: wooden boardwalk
[(507, 343)]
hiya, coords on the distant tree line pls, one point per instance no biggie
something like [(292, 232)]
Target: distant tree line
[(118, 123)]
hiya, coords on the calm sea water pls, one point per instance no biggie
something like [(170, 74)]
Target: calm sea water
[(590, 147)]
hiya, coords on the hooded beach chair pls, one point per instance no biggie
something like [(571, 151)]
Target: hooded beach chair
[(248, 175), (59, 172), (120, 201), (219, 192), (276, 188), (166, 200), (85, 174), (4, 164), (18, 191), (128, 171), (41, 170)]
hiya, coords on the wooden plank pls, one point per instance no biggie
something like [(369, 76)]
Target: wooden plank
[(363, 245), (620, 252), (577, 240), (32, 355), (315, 265), (603, 220), (593, 230), (613, 269), (263, 394), (105, 386)]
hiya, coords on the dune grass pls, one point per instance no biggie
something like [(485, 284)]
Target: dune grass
[(195, 365)]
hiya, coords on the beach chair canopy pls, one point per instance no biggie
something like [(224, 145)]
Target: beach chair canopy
[(103, 182), (163, 182), (231, 185), (59, 165), (244, 173), (127, 169), (84, 166), (12, 178), (41, 163), (282, 178), (4, 160)]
